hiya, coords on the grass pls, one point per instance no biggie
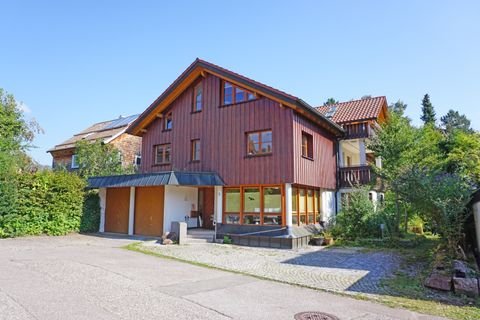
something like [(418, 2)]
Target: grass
[(405, 287)]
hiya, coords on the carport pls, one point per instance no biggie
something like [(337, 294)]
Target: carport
[(146, 204)]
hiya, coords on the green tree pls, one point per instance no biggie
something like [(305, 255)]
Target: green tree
[(441, 198), (16, 136), (330, 101), (99, 159), (395, 144), (428, 112), (398, 107), (453, 120), (461, 154)]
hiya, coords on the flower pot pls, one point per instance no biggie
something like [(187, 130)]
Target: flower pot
[(316, 241), (328, 241)]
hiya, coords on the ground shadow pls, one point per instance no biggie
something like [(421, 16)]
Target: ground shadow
[(371, 267)]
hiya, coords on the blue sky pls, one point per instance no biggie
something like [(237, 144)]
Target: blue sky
[(73, 63)]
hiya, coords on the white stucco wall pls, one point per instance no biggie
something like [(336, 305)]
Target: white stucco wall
[(328, 204), (179, 202), (102, 193)]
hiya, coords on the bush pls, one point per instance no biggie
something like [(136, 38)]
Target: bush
[(43, 203), (91, 212), (360, 218)]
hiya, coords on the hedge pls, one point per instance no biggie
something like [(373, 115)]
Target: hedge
[(46, 202)]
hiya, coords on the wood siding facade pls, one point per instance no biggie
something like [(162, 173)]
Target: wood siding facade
[(320, 171), (222, 131), (222, 134)]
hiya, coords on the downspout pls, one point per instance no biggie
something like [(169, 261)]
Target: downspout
[(337, 180)]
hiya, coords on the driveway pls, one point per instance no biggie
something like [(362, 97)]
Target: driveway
[(90, 277), (344, 270)]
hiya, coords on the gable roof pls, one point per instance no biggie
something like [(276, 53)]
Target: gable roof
[(199, 68), (355, 110), (106, 131)]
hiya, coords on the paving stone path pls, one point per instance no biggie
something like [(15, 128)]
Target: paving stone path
[(346, 270)]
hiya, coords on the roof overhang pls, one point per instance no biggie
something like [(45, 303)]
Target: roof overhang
[(200, 68), (172, 178)]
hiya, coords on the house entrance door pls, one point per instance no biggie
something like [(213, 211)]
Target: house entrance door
[(206, 206)]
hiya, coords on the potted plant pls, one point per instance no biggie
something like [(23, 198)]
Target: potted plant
[(328, 238), (316, 239)]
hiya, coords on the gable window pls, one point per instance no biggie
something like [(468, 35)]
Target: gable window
[(195, 150), (74, 164), (307, 145), (233, 94), (197, 98), (259, 143), (168, 121), (162, 153)]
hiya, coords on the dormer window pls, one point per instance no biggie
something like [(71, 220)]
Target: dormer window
[(168, 121), (233, 94), (197, 98)]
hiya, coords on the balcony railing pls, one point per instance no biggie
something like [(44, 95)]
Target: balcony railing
[(352, 176), (357, 130)]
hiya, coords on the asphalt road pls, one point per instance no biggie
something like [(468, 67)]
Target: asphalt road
[(91, 277)]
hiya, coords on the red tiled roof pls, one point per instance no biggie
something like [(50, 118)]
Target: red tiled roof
[(355, 110)]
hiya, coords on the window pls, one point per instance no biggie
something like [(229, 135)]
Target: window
[(294, 206), (168, 121), (162, 154), (253, 205), (233, 94), (195, 150), (272, 206), (259, 143), (232, 205), (74, 164), (138, 160), (302, 210), (197, 98), (307, 145), (306, 205)]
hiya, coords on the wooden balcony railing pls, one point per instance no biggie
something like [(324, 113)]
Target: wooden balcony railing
[(357, 130), (352, 176)]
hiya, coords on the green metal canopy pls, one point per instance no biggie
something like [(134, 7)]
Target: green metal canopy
[(178, 178)]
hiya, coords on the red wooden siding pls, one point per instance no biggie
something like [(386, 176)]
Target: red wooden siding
[(223, 140), (321, 171)]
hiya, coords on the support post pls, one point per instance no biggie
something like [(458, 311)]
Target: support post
[(131, 211), (102, 194), (218, 208), (288, 208)]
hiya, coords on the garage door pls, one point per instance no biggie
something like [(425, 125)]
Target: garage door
[(149, 211), (116, 211)]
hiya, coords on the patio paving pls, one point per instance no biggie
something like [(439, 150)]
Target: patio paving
[(344, 270)]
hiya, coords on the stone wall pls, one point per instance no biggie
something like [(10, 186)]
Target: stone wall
[(129, 145)]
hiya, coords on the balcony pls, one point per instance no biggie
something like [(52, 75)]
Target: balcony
[(358, 130), (352, 176)]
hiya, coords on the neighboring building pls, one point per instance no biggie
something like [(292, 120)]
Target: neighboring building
[(228, 149), (359, 118), (112, 131)]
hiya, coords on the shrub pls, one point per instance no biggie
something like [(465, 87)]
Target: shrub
[(43, 203), (361, 218), (91, 212)]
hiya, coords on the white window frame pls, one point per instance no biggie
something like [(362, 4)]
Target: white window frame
[(74, 164)]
